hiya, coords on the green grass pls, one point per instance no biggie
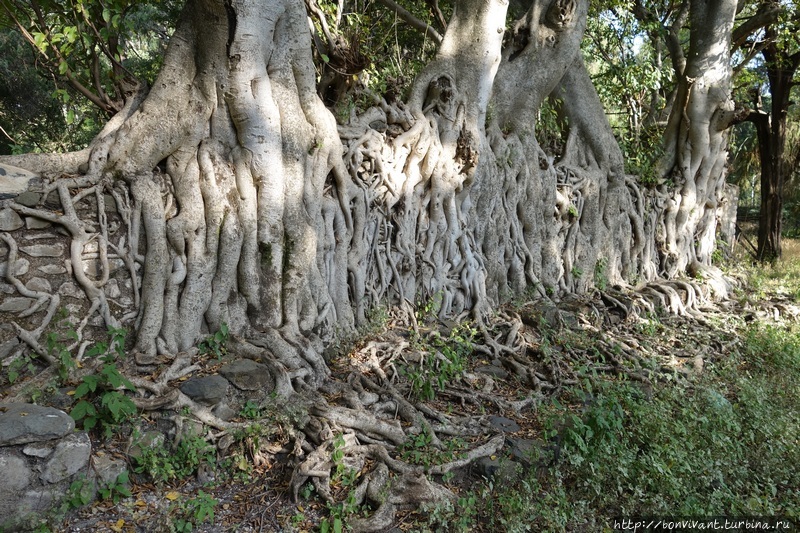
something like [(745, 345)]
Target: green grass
[(725, 444), (781, 278)]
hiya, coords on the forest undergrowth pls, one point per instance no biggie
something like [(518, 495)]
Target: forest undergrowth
[(649, 415)]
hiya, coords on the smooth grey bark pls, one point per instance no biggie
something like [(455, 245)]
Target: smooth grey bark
[(248, 214), (695, 140)]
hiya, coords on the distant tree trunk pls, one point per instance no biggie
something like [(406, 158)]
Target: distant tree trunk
[(769, 222), (771, 128)]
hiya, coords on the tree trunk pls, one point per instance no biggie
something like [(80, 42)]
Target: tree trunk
[(243, 204), (769, 223), (695, 142), (771, 129)]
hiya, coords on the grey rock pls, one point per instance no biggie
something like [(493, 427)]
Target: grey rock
[(497, 468), (36, 223), (525, 451), (494, 371), (248, 375), (112, 289), (10, 220), (71, 290), (16, 474), (39, 284), (37, 450), (7, 347), (501, 423), (92, 267), (207, 390), (53, 200), (224, 412), (61, 399), (225, 442), (38, 236), (378, 125), (52, 270), (71, 456), (21, 423), (7, 289), (15, 180), (39, 501), (74, 309), (28, 198), (44, 250), (20, 267), (206, 474), (107, 469), (17, 305), (487, 467), (115, 264), (110, 203), (150, 439), (189, 429), (22, 511)]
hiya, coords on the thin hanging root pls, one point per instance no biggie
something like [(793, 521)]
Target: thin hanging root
[(28, 339), (31, 338), (79, 238)]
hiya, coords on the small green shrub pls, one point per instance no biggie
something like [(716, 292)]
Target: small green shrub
[(216, 344), (444, 361), (601, 273), (193, 512), (80, 493), (346, 478), (458, 517), (251, 410), (723, 444), (100, 402), (164, 465), (418, 449), (117, 489), (56, 348)]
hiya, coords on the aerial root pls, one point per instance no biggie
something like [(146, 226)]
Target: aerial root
[(409, 486)]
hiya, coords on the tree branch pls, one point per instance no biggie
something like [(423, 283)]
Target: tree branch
[(766, 15), (674, 42), (434, 4), (413, 21)]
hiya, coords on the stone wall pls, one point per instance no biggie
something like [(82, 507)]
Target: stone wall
[(41, 455), (39, 284)]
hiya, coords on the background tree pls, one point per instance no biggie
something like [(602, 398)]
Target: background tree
[(770, 101), (30, 118), (82, 60), (629, 62)]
